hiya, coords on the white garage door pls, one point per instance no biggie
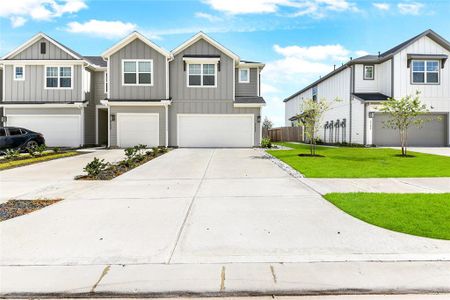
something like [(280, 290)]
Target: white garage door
[(58, 130), (215, 130), (136, 128)]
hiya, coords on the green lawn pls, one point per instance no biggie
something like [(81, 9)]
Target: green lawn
[(425, 215), (346, 162), (28, 160)]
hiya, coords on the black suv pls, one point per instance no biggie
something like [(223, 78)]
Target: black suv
[(19, 138)]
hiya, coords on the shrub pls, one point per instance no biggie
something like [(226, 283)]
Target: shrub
[(163, 149), (56, 149), (266, 143), (155, 151), (12, 153), (95, 167), (37, 151)]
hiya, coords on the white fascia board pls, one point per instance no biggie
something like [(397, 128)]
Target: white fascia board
[(36, 38), (202, 35), (58, 62), (251, 65), (129, 39), (135, 103), (45, 105), (249, 105), (201, 59)]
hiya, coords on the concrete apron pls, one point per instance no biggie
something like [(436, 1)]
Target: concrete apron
[(241, 279)]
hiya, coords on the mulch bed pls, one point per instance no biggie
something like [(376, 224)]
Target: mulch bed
[(16, 208)]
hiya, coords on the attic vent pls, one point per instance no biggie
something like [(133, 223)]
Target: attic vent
[(43, 48)]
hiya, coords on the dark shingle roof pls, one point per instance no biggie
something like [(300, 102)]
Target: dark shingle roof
[(96, 60), (371, 96), (254, 99)]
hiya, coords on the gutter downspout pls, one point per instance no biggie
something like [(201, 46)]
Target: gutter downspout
[(352, 90), (167, 125)]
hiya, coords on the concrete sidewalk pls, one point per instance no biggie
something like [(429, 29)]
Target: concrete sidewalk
[(378, 185), (239, 279)]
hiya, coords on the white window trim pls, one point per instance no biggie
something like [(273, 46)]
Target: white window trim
[(58, 87), (14, 73), (201, 74), (137, 72), (105, 80), (425, 82), (248, 75), (364, 72)]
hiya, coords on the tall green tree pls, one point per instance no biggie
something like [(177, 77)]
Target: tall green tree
[(405, 113)]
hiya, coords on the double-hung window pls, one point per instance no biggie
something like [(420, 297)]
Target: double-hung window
[(58, 77), (369, 72), (425, 71), (137, 72), (244, 75), (19, 73), (201, 75)]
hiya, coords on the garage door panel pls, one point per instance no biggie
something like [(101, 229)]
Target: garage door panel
[(432, 134), (58, 130), (136, 128), (215, 130)]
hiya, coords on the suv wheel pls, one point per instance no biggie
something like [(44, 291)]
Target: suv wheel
[(31, 144)]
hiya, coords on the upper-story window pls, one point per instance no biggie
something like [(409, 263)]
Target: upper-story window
[(201, 75), (314, 93), (58, 77), (19, 73), (425, 71), (106, 82), (369, 72), (137, 72), (43, 47), (244, 75)]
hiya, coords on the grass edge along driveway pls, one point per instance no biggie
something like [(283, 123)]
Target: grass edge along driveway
[(348, 162), (9, 164), (425, 215)]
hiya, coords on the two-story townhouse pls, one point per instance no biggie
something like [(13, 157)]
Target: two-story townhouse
[(199, 95), (48, 88), (361, 85)]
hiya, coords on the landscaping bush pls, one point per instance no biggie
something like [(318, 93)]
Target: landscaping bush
[(12, 153), (155, 151), (95, 167), (37, 151), (266, 143)]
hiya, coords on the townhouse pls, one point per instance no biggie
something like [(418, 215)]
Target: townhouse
[(361, 85), (200, 94)]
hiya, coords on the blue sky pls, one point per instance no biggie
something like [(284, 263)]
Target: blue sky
[(299, 40)]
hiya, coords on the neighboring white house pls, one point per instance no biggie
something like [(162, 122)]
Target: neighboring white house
[(362, 84)]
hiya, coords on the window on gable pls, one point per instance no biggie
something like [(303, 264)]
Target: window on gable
[(43, 48), (369, 72), (58, 77), (137, 72), (244, 75), (314, 93), (201, 75), (425, 72), (19, 73)]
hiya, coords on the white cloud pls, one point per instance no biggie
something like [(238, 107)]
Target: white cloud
[(361, 53), (17, 21), (106, 29), (19, 11), (208, 17), (315, 8), (315, 53), (410, 8), (382, 6), (268, 89)]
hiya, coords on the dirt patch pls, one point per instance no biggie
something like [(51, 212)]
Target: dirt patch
[(16, 208), (309, 155)]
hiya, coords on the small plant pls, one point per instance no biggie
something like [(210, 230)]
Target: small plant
[(266, 143), (12, 153), (96, 167), (39, 150), (155, 151), (163, 149), (56, 150)]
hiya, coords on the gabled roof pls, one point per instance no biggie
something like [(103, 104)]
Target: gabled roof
[(204, 36), (376, 59), (133, 36), (37, 37)]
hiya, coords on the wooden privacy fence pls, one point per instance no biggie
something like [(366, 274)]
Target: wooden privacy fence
[(286, 134)]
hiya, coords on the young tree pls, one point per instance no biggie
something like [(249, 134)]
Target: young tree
[(310, 118), (267, 124), (404, 113)]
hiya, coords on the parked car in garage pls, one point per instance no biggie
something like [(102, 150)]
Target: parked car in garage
[(19, 138)]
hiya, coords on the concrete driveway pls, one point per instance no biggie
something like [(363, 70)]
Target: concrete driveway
[(445, 151), (198, 206)]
